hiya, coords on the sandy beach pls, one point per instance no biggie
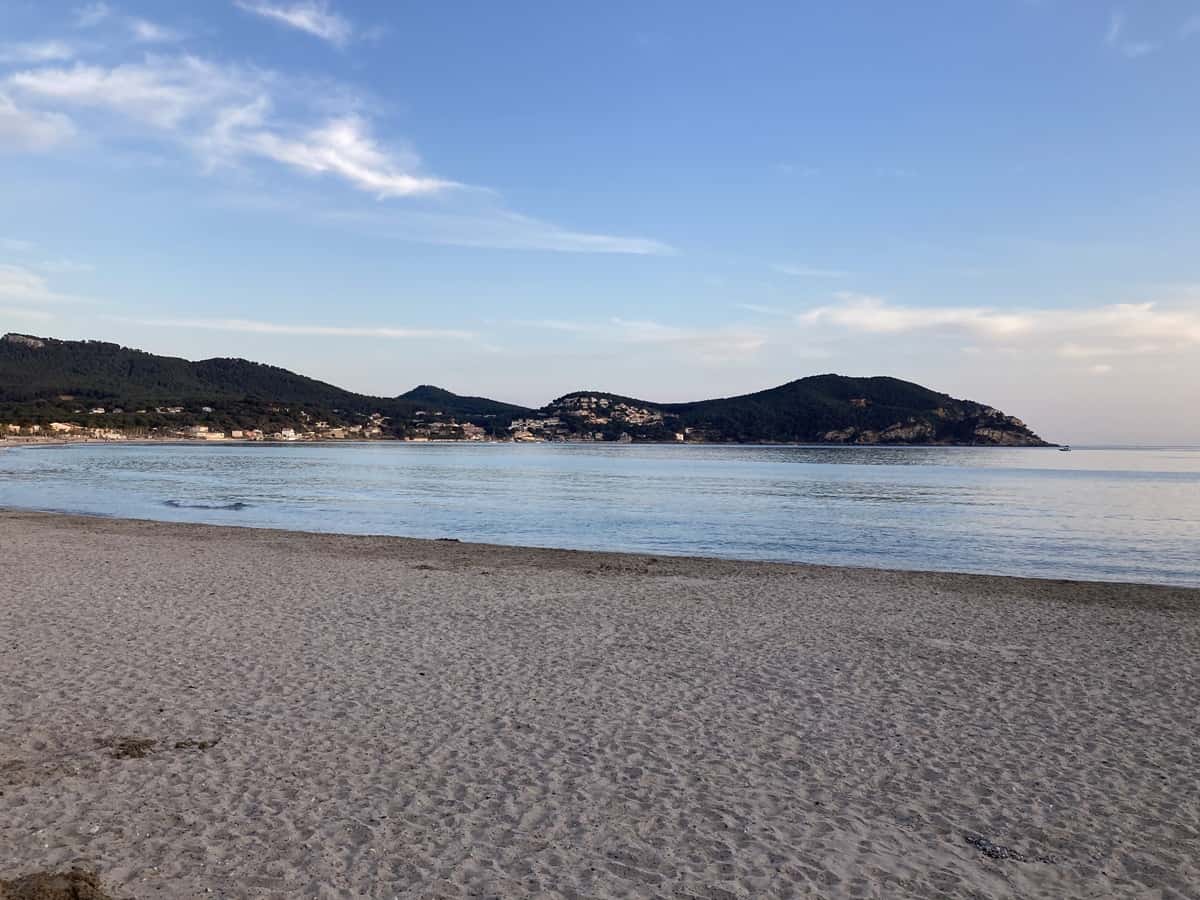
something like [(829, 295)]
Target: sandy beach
[(195, 711)]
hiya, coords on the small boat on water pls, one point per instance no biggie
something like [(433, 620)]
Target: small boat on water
[(1065, 448)]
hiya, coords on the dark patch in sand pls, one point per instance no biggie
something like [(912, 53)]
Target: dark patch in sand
[(129, 747), (73, 885), (999, 851), (190, 744), (423, 567)]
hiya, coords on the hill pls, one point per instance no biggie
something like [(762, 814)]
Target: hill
[(44, 380), (817, 409), (100, 384)]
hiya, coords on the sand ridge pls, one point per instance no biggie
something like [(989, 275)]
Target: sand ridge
[(336, 716)]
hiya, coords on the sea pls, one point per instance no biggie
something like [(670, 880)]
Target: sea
[(1095, 513)]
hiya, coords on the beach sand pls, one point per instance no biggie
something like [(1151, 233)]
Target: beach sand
[(347, 716)]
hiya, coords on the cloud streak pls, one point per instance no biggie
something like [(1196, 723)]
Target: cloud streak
[(147, 32), (223, 114), (721, 344), (30, 130), (92, 14), (250, 326), (36, 52), (228, 116), (1104, 332), (22, 285), (312, 17), (1116, 38), (808, 271)]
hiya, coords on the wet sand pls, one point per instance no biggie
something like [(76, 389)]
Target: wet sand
[(195, 711)]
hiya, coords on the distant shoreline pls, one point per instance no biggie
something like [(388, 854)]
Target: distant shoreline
[(683, 559), (185, 442)]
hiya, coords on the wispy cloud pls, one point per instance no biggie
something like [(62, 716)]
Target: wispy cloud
[(479, 221), (92, 14), (223, 114), (255, 327), (343, 147), (1124, 329), (762, 310), (35, 52), (311, 16), (1117, 38), (26, 129), (874, 315), (227, 115), (147, 32), (27, 315), (801, 271), (23, 285), (13, 245), (720, 344)]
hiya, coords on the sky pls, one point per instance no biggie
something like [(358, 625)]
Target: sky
[(670, 200)]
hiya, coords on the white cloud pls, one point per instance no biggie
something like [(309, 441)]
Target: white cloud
[(19, 284), (24, 129), (1115, 37), (28, 315), (311, 16), (230, 115), (873, 314), (1072, 350), (222, 113), (762, 310), (808, 271), (59, 266), (163, 92), (715, 345), (343, 147), (147, 32), (16, 246), (36, 52), (256, 327), (1124, 329), (487, 226), (92, 14)]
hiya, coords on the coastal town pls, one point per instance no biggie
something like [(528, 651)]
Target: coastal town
[(53, 390), (575, 418)]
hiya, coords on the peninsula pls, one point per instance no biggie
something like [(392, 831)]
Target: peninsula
[(98, 390)]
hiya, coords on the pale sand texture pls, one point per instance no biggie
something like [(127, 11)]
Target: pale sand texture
[(419, 719)]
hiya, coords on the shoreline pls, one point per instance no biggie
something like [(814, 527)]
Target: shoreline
[(197, 711), (20, 441), (16, 512)]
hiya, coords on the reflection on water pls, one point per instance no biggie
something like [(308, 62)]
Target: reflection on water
[(1113, 514)]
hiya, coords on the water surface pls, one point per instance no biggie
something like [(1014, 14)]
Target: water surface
[(1102, 514)]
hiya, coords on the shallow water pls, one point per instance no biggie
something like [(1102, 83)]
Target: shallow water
[(1101, 514)]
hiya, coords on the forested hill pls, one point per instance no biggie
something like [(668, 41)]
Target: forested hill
[(102, 384), (42, 380), (817, 409)]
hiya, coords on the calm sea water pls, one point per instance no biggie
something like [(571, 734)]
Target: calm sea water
[(1105, 514)]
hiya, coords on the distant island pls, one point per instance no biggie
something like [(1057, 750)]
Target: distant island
[(98, 390)]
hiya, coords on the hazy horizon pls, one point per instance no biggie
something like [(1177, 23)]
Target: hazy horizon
[(669, 202)]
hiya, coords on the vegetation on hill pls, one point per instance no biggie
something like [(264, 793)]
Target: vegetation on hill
[(99, 384), (44, 380), (817, 409)]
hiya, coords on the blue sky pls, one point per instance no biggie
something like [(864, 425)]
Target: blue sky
[(674, 200)]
